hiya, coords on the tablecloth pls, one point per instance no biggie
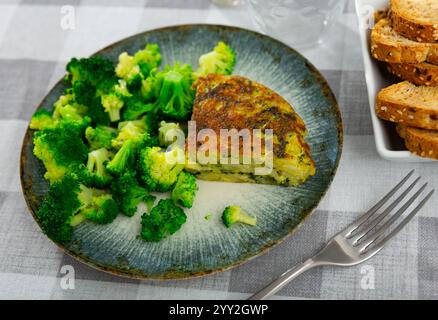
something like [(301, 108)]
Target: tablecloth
[(34, 49)]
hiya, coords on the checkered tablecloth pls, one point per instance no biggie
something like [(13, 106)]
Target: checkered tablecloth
[(33, 52)]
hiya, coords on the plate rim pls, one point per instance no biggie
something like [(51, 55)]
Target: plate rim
[(172, 275)]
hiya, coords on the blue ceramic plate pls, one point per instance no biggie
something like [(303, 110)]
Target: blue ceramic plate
[(206, 246)]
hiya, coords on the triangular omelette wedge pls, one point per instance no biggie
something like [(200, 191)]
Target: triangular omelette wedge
[(235, 102)]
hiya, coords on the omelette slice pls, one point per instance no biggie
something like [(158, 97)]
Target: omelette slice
[(234, 102)]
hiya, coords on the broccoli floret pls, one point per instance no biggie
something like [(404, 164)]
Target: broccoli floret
[(234, 214), (97, 113), (149, 89), (165, 219), (69, 203), (133, 69), (150, 200), (158, 169), (113, 101), (148, 59), (123, 159), (167, 133), (127, 193), (93, 70), (135, 108), (66, 108), (100, 137), (185, 189), (219, 61), (132, 135), (61, 149), (176, 95), (42, 119), (84, 92), (130, 130), (58, 208), (102, 210), (94, 174)]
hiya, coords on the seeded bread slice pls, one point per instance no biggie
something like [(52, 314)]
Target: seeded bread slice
[(421, 74), (387, 45), (416, 19), (410, 105), (421, 142)]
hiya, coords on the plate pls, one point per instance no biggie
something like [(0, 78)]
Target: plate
[(205, 246), (388, 143)]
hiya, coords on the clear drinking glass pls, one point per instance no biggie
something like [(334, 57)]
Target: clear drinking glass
[(300, 23)]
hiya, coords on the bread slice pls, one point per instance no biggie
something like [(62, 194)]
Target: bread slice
[(422, 74), (420, 142), (416, 19), (409, 105), (387, 45)]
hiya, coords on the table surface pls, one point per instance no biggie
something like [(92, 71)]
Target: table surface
[(33, 53)]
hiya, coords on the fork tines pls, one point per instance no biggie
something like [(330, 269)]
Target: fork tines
[(376, 227)]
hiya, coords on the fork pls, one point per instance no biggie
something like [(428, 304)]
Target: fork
[(362, 239)]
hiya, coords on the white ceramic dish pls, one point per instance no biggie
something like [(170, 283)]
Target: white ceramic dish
[(389, 145)]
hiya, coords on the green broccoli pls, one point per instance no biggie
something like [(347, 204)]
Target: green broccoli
[(102, 209), (234, 214), (132, 136), (100, 137), (185, 189), (150, 200), (159, 170), (93, 70), (165, 219), (94, 174), (135, 108), (149, 89), (123, 159), (42, 119), (167, 133), (133, 69), (130, 130), (219, 61), (66, 108), (61, 149), (68, 204), (113, 102), (176, 95), (127, 193)]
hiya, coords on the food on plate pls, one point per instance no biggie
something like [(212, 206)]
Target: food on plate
[(389, 46), (128, 193), (165, 219), (185, 190), (422, 74), (240, 103), (416, 19), (69, 203), (109, 140), (406, 41), (410, 105), (234, 214), (421, 142)]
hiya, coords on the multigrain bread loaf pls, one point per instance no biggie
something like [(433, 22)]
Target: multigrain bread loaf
[(410, 105), (421, 74), (415, 19), (421, 142), (387, 45)]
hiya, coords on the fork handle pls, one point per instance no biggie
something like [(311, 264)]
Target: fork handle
[(283, 280)]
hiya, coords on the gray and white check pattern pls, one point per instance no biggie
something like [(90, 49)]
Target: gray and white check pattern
[(33, 52)]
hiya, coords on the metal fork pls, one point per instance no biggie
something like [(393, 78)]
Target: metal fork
[(361, 240)]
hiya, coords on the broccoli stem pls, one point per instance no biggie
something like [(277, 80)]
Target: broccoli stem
[(77, 220)]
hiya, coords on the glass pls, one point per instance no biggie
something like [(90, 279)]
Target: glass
[(300, 23)]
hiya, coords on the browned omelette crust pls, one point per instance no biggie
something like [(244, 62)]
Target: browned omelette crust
[(235, 102)]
